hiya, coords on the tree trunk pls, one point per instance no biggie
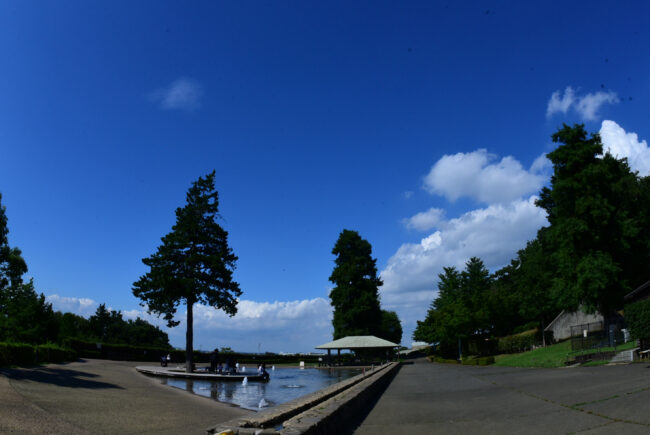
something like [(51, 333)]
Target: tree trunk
[(189, 338)]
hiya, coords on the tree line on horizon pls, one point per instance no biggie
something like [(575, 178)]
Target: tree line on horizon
[(27, 317), (594, 251)]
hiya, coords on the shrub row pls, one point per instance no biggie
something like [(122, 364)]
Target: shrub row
[(21, 354), (637, 316), (478, 361), (125, 352), (518, 342), (439, 359)]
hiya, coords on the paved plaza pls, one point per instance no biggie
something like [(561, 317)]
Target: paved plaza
[(426, 398), (98, 396)]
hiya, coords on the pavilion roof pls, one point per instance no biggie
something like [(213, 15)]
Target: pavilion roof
[(358, 342)]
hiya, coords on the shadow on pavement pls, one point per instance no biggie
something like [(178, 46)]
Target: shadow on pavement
[(57, 376)]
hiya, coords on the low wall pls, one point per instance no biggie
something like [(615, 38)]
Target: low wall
[(324, 412)]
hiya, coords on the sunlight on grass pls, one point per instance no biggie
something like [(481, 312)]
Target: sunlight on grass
[(550, 356)]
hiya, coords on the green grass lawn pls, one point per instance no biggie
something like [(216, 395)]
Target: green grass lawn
[(629, 345), (550, 356)]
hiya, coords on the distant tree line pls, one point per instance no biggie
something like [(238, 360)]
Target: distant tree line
[(595, 250), (26, 316)]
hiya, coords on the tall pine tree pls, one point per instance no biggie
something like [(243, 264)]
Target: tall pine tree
[(355, 296), (194, 263)]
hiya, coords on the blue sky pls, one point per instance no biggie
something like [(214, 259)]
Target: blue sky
[(422, 125)]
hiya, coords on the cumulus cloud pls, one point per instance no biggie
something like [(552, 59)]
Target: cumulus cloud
[(424, 220), (479, 176), (587, 106), (182, 94), (494, 233), (81, 306), (279, 326), (559, 103), (621, 144)]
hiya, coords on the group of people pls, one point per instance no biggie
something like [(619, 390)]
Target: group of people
[(230, 368)]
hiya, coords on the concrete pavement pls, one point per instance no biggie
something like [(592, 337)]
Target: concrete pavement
[(98, 396), (426, 398)]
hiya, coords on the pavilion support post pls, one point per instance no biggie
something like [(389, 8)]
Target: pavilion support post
[(339, 356), (329, 357)]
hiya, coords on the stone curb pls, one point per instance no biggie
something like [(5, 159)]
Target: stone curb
[(318, 406)]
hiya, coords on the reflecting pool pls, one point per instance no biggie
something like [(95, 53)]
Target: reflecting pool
[(285, 385)]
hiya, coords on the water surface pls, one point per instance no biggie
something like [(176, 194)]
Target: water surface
[(285, 385)]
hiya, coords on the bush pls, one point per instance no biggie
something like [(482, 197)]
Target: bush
[(518, 342), (17, 354), (478, 361), (21, 354), (637, 316), (52, 353), (439, 359), (482, 346)]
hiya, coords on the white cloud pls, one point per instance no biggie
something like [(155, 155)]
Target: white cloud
[(621, 144), (181, 94), (541, 165), (587, 105), (424, 220), (279, 326), (494, 234), (476, 176), (560, 104), (408, 194), (287, 326), (81, 306)]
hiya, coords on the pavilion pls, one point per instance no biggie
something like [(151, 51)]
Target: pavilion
[(356, 342)]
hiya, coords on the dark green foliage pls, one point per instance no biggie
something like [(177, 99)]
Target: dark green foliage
[(22, 354), (637, 316), (478, 361), (391, 327), (108, 326), (52, 353), (595, 250), (194, 263), (71, 326), (461, 309), (594, 211), (519, 342), (355, 296), (122, 352), (26, 316), (17, 354)]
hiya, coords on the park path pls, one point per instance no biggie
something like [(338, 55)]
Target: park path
[(97, 396), (426, 398)]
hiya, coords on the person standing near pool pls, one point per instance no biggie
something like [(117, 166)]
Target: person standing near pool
[(261, 370), (214, 360)]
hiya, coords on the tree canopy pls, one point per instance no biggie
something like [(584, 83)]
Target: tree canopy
[(355, 296), (595, 250), (194, 263), (594, 214), (24, 315)]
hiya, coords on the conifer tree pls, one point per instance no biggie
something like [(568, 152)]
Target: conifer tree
[(194, 263), (355, 296)]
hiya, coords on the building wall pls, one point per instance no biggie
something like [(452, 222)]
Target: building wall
[(562, 324)]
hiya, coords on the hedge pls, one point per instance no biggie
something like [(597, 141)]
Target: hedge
[(478, 361), (518, 342), (125, 352), (637, 316), (21, 354)]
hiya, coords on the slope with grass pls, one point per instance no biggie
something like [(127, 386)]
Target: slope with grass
[(549, 356)]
